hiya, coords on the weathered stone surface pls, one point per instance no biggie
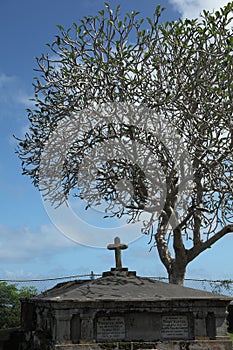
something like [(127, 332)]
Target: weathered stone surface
[(120, 287), (230, 318), (122, 311), (178, 345), (127, 312)]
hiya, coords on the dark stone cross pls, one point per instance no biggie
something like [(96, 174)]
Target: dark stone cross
[(117, 246)]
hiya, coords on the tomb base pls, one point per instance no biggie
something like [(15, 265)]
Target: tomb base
[(220, 344)]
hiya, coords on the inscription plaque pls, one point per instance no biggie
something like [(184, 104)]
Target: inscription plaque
[(110, 328), (175, 327)]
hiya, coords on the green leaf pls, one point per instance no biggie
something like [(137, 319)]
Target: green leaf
[(119, 24), (149, 20), (135, 13), (59, 27)]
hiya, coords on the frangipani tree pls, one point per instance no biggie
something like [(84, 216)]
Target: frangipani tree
[(142, 111)]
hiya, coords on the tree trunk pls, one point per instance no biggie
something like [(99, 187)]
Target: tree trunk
[(176, 267), (176, 273)]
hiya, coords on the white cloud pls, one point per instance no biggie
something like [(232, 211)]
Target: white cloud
[(12, 92), (7, 84), (5, 80), (193, 8), (88, 227), (25, 99), (22, 243)]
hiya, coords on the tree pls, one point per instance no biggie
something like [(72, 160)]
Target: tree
[(137, 113), (10, 307)]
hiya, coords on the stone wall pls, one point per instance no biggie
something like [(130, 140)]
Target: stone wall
[(109, 325), (230, 318), (221, 344), (147, 322)]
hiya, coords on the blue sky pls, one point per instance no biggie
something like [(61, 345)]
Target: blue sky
[(30, 245)]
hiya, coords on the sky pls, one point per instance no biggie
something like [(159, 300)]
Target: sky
[(31, 246)]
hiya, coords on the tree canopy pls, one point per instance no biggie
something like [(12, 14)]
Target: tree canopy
[(10, 296), (137, 113)]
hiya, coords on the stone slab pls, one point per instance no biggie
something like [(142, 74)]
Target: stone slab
[(175, 327), (110, 328), (177, 345)]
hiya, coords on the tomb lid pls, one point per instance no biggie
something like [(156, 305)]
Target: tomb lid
[(119, 284), (124, 288)]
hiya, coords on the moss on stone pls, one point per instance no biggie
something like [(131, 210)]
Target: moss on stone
[(126, 345), (108, 346)]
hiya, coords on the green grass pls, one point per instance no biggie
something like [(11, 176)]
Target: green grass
[(231, 336)]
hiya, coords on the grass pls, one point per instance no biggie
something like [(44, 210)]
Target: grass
[(231, 336)]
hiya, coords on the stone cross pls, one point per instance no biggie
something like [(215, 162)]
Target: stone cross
[(117, 246)]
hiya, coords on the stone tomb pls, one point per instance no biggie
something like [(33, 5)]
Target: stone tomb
[(123, 311)]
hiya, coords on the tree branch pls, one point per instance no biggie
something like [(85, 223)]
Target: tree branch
[(196, 250)]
